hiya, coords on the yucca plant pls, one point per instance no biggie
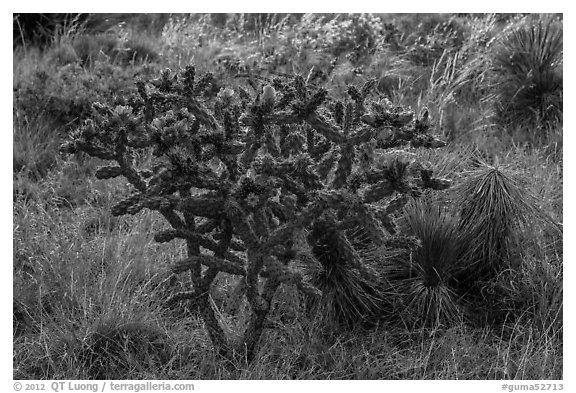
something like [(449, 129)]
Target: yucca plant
[(351, 294), (528, 74), (421, 283), (493, 205), (497, 214)]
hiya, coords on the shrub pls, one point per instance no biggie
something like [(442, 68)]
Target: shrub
[(433, 36), (242, 178), (354, 36)]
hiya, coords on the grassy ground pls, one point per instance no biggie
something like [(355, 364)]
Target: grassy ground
[(89, 288)]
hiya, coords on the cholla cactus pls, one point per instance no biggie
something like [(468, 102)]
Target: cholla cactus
[(285, 164)]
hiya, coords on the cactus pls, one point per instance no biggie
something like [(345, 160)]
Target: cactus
[(287, 164)]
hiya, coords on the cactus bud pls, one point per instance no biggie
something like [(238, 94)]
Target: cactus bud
[(268, 96)]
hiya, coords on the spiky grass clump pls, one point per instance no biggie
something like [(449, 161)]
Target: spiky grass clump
[(493, 207), (420, 282), (498, 214), (350, 296), (528, 66)]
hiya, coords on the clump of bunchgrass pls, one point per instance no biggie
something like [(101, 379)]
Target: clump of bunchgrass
[(116, 346), (35, 144), (531, 295)]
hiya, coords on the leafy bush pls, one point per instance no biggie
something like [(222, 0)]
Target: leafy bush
[(242, 180)]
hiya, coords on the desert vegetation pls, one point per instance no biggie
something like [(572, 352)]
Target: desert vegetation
[(287, 196)]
